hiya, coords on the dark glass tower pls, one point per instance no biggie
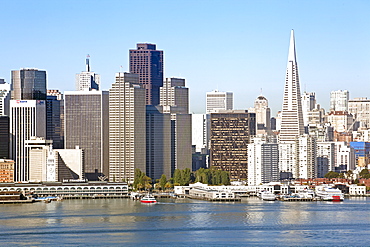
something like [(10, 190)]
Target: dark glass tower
[(28, 84), (147, 62)]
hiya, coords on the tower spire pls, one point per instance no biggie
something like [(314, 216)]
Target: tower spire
[(291, 55), (88, 63)]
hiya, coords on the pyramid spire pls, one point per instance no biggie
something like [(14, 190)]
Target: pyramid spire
[(291, 55), (292, 117)]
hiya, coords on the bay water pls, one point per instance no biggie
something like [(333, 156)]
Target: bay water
[(185, 222)]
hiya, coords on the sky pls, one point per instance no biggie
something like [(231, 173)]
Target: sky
[(238, 46)]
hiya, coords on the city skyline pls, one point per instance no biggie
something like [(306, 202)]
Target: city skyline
[(251, 44)]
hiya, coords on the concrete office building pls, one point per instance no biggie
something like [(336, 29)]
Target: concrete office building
[(263, 162), (308, 104), (127, 128), (200, 132), (174, 96), (216, 100), (28, 84), (341, 121), (147, 62), (86, 117), (4, 98), (306, 166), (360, 109), (55, 118), (87, 80), (339, 100), (158, 142), (263, 115), (345, 159), (175, 101), (231, 132), (27, 119), (325, 154)]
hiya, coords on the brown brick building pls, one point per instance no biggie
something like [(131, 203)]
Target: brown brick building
[(231, 131), (6, 171)]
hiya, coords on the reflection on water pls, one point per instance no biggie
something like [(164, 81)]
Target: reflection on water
[(186, 222)]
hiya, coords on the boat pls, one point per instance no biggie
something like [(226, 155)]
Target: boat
[(329, 194), (148, 199), (267, 196)]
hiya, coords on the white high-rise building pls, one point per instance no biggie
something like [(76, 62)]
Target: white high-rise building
[(308, 104), (325, 158), (127, 128), (263, 160), (87, 80), (216, 100), (263, 115), (339, 100), (291, 115), (174, 96), (306, 157), (201, 132), (360, 109), (27, 119), (344, 157)]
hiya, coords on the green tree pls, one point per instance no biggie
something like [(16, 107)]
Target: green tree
[(177, 177), (185, 177), (365, 173), (225, 178), (341, 175), (138, 178), (331, 175), (163, 181)]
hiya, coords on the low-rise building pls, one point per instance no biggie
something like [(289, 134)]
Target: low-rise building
[(6, 171)]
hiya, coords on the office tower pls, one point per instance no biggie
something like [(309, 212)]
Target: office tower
[(263, 115), (291, 117), (55, 118), (147, 62), (231, 131), (339, 100), (360, 109), (4, 137), (308, 104), (306, 167), (158, 142), (27, 119), (87, 80), (200, 132), (263, 160), (216, 100), (325, 158), (4, 98), (86, 117), (174, 96), (28, 84), (174, 99), (322, 132), (127, 137), (38, 149)]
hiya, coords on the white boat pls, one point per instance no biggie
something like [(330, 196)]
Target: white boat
[(329, 194), (267, 196), (148, 199)]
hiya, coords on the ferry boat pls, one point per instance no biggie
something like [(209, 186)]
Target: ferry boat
[(267, 196), (148, 199), (330, 194)]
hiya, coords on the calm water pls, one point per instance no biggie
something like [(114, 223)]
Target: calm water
[(186, 223)]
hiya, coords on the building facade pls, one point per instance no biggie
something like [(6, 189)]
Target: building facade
[(6, 171), (86, 117), (28, 84), (231, 132), (4, 98), (216, 100), (174, 96), (360, 109), (87, 80), (55, 118), (127, 128), (339, 100), (147, 62), (200, 132), (263, 115)]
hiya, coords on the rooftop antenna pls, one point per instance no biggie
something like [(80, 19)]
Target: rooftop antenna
[(88, 63), (261, 90)]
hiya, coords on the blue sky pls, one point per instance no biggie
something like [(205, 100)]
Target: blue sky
[(239, 46)]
